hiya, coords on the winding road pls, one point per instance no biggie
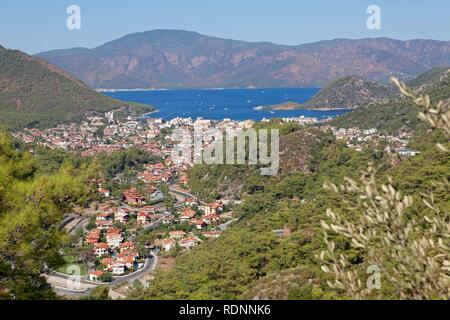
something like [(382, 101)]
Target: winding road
[(86, 287)]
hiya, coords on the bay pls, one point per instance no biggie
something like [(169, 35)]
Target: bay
[(219, 104)]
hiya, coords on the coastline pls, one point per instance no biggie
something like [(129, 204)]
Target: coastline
[(103, 90)]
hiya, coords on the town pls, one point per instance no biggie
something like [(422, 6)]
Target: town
[(156, 215)]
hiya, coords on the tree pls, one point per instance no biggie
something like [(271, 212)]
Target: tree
[(31, 207), (411, 253)]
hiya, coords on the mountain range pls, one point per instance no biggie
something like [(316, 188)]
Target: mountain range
[(36, 93), (184, 59)]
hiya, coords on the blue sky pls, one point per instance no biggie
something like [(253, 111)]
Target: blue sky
[(35, 26)]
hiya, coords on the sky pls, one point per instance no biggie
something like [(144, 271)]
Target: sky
[(34, 26)]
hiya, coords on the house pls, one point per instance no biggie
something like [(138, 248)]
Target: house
[(168, 244), (216, 207), (190, 202), (93, 236), (188, 243), (101, 249), (184, 180), (408, 152), (212, 208), (108, 263), (128, 259), (104, 225), (114, 238), (211, 218), (126, 246), (121, 215), (104, 192), (168, 219), (187, 215), (212, 234), (133, 197), (177, 234), (102, 217), (118, 269), (156, 196), (95, 275), (142, 217), (198, 223)]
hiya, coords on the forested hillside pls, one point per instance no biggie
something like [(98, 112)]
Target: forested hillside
[(399, 112), (36, 93), (32, 204), (251, 261)]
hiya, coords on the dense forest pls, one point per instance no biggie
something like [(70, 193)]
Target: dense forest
[(32, 202), (35, 93)]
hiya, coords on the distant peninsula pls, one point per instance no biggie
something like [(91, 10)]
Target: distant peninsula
[(346, 93)]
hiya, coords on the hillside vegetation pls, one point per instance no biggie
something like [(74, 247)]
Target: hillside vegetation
[(35, 93), (251, 261), (399, 112), (32, 204)]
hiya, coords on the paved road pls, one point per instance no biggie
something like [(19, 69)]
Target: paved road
[(88, 287), (184, 193)]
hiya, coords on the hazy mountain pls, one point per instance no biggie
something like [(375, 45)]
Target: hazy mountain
[(171, 59), (32, 91)]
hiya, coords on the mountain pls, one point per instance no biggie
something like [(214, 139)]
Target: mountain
[(176, 59), (346, 93), (399, 112), (351, 92), (34, 92)]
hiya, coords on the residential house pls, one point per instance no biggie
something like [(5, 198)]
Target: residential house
[(93, 236), (104, 225), (211, 218), (187, 215), (114, 238), (188, 243), (95, 275), (168, 244), (101, 249), (121, 215), (102, 217), (143, 218), (178, 234), (104, 192), (118, 269), (408, 152), (198, 223), (108, 263), (190, 202), (126, 246), (133, 197), (212, 234)]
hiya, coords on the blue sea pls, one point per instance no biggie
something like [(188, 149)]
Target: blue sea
[(218, 104)]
